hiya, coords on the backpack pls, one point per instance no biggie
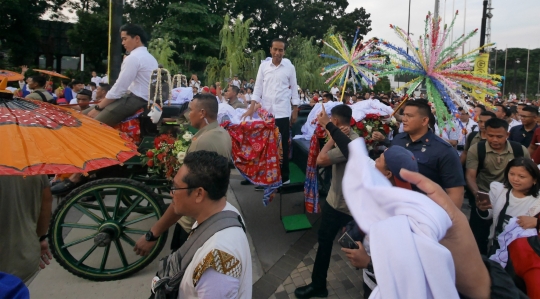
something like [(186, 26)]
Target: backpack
[(171, 270), (517, 148), (44, 98), (471, 135)]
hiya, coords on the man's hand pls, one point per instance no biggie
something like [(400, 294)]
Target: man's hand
[(93, 113), (323, 118), (24, 68), (483, 205), (527, 222), (294, 115), (249, 112), (472, 277), (45, 254), (358, 257), (345, 129), (377, 136), (143, 247)]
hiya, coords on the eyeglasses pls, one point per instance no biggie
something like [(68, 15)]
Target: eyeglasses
[(173, 188)]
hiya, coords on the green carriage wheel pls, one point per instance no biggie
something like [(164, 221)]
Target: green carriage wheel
[(93, 231)]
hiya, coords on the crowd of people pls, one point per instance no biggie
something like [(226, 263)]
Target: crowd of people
[(486, 157)]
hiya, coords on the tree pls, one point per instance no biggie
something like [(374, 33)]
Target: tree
[(90, 35), (521, 69), (305, 57), (162, 50), (18, 33), (237, 59)]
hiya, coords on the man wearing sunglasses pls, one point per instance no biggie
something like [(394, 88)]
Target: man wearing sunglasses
[(210, 137)]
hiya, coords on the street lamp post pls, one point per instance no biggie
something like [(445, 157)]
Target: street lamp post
[(515, 74)]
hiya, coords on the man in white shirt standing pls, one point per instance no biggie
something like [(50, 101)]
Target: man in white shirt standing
[(95, 78), (236, 82), (130, 92), (334, 90), (276, 90)]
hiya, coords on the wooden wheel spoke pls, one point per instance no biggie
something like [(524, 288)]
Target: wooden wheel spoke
[(130, 209), (121, 253), (86, 212), (128, 240), (104, 258), (135, 231), (88, 253), (144, 217), (79, 225), (117, 203), (79, 241), (101, 204)]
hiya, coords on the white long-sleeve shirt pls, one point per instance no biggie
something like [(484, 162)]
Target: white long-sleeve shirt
[(134, 75), (276, 88)]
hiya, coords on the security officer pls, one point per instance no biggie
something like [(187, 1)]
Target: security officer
[(437, 159)]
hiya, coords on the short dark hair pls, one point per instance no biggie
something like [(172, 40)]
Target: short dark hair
[(531, 168), (343, 113), (422, 106), (92, 84), (496, 123), (75, 82), (531, 109), (39, 80), (506, 110), (328, 96), (105, 86), (235, 89), (279, 40), (207, 170), (135, 30), (482, 107), (488, 113), (522, 104), (209, 103)]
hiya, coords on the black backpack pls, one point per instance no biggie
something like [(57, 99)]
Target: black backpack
[(172, 267), (517, 148)]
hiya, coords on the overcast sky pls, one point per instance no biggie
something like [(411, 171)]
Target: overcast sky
[(515, 23)]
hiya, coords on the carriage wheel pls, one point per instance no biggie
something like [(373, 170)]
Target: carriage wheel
[(93, 231)]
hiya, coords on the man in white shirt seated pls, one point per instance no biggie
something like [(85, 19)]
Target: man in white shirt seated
[(130, 92), (221, 267)]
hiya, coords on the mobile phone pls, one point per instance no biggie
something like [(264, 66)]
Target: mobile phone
[(483, 197), (347, 242)]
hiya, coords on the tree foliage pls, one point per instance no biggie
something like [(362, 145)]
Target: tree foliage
[(521, 69), (162, 50), (234, 58)]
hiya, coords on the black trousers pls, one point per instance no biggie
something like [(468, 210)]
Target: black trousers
[(284, 125), (180, 236), (331, 223), (480, 229)]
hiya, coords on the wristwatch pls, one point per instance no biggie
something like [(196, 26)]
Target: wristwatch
[(97, 108), (150, 236), (43, 238)]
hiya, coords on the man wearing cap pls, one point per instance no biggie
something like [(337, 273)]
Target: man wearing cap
[(437, 159), (335, 213), (389, 164)]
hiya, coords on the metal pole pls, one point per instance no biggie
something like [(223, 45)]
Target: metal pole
[(505, 58), (514, 79), (409, 24), (538, 88), (464, 25), (115, 43), (495, 69), (527, 73), (483, 26)]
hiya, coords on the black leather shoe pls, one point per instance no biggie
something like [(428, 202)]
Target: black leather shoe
[(63, 187), (309, 292), (245, 182)]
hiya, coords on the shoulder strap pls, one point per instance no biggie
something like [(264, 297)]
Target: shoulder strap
[(43, 98), (470, 137), (481, 155), (517, 148), (500, 220), (473, 127), (179, 260)]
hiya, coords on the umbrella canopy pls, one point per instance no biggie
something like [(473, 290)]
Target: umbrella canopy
[(51, 73), (40, 138), (11, 76)]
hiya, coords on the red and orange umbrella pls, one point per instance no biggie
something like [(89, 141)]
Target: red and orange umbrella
[(11, 76), (51, 73), (40, 138)]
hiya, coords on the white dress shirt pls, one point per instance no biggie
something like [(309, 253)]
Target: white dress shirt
[(276, 87), (96, 80), (134, 75), (105, 79), (236, 83)]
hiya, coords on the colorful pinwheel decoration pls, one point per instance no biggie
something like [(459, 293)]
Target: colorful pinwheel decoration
[(354, 64), (446, 74)]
